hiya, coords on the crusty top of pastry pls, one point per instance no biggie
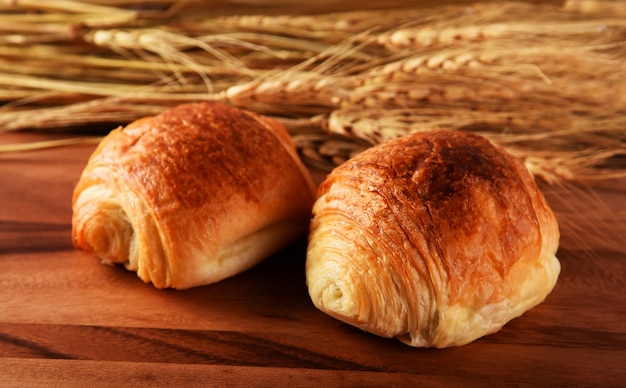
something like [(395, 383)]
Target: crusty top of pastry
[(184, 143), (470, 205)]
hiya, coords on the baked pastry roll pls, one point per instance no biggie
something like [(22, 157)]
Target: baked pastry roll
[(191, 196), (435, 238)]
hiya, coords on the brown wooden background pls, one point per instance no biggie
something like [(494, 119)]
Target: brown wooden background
[(66, 319)]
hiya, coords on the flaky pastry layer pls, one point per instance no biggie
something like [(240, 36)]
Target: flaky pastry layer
[(436, 238), (194, 195)]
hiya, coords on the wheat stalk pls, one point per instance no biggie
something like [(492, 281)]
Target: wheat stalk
[(615, 8), (545, 82)]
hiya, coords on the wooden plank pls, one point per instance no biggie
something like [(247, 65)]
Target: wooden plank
[(67, 319), (35, 373)]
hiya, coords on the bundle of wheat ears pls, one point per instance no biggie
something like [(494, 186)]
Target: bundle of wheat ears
[(545, 81)]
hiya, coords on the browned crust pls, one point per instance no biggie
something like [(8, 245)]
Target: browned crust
[(206, 174), (467, 205)]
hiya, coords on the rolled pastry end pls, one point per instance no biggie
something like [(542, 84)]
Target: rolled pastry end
[(332, 288), (102, 228), (327, 290), (333, 298), (345, 296)]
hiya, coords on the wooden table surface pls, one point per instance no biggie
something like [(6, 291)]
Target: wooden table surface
[(66, 319)]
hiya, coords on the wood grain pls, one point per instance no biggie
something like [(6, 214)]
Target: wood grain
[(68, 320)]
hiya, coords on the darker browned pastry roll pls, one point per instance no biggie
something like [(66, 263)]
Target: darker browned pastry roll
[(196, 194), (435, 238)]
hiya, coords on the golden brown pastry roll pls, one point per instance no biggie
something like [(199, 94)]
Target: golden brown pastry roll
[(191, 196), (435, 238)]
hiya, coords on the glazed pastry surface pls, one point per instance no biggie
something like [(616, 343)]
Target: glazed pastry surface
[(436, 238), (191, 196)]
